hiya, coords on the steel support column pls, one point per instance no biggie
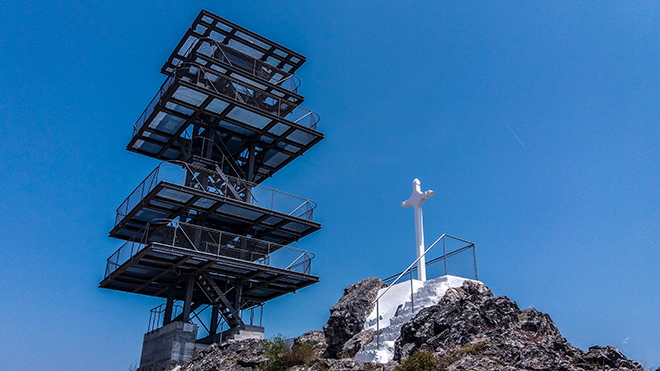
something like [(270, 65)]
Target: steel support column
[(214, 320), (169, 306), (239, 296), (187, 304)]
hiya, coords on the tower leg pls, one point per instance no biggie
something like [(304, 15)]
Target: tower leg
[(239, 296), (214, 320), (187, 303), (169, 306)]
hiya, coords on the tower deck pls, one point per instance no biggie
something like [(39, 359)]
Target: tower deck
[(168, 250), (209, 25), (231, 116), (218, 201)]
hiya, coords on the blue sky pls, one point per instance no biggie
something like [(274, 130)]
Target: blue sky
[(536, 124)]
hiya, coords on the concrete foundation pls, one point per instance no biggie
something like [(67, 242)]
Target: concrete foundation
[(177, 342), (238, 333), (174, 342)]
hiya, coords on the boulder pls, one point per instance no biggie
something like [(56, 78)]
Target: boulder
[(357, 343), (348, 316), (609, 356), (316, 337), (234, 355)]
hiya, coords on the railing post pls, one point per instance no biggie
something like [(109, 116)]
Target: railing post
[(444, 254), (412, 294), (378, 324), (474, 255), (175, 225), (261, 314)]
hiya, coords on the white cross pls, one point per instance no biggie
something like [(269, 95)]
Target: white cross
[(416, 200)]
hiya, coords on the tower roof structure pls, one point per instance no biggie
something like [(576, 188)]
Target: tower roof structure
[(229, 92)]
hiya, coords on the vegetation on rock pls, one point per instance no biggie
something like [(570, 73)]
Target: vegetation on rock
[(281, 356), (418, 361)]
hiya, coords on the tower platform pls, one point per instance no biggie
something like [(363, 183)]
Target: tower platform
[(209, 25), (233, 116), (169, 250), (215, 200)]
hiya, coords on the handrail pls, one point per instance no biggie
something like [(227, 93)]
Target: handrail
[(257, 64), (236, 89), (409, 267), (284, 108), (410, 270), (211, 241), (259, 195), (470, 244), (152, 104)]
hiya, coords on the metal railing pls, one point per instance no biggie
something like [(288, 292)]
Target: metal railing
[(152, 105), (439, 267), (217, 183), (237, 59), (210, 241), (248, 313), (237, 90), (157, 316)]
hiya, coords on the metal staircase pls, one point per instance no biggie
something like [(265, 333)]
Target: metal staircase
[(219, 300)]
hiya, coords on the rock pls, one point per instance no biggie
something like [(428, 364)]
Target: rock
[(357, 343), (348, 316), (472, 330), (315, 337), (347, 364), (468, 329), (463, 315), (234, 355), (344, 364), (474, 363), (609, 356), (314, 367)]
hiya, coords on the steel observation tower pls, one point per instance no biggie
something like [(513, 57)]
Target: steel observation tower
[(200, 231)]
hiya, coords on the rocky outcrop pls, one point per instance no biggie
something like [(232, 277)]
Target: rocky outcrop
[(348, 316), (468, 329), (357, 343), (316, 338), (234, 355), (472, 330)]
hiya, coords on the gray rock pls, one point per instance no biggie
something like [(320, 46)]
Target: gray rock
[(348, 364), (344, 364), (234, 355), (609, 357), (348, 316), (474, 363), (469, 329), (357, 343), (315, 337)]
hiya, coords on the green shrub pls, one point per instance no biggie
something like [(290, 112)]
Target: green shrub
[(300, 354), (282, 356), (275, 350), (418, 361), (475, 348)]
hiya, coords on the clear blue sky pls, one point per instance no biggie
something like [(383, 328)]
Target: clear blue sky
[(536, 123)]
